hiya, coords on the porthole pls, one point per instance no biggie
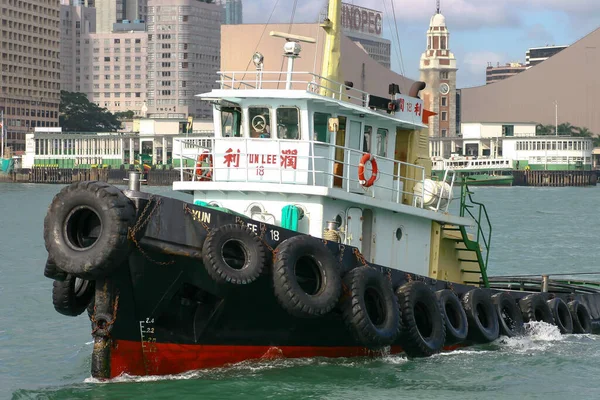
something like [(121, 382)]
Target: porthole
[(399, 233)]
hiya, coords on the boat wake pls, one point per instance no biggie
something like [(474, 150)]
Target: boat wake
[(539, 336)]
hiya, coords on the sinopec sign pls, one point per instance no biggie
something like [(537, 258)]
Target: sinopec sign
[(362, 20)]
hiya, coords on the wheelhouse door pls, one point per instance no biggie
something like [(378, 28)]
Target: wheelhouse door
[(354, 151)]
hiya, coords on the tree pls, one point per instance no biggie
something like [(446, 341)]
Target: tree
[(125, 115), (78, 114), (544, 129), (566, 129)]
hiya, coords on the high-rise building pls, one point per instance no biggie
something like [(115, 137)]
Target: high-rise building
[(109, 12), (184, 55), (536, 55), (30, 67), (500, 72), (76, 22), (117, 67), (438, 70), (231, 12)]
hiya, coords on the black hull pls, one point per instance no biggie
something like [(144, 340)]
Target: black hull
[(169, 316)]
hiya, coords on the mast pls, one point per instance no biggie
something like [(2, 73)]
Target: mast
[(332, 48)]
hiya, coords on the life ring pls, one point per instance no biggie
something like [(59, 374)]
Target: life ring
[(423, 330), (562, 315), (481, 314), (361, 170), (370, 310), (86, 229), (535, 308), (233, 254), (72, 295), (204, 173), (306, 277), (509, 315), (454, 316), (582, 321)]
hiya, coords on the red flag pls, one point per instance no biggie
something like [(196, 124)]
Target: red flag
[(426, 115)]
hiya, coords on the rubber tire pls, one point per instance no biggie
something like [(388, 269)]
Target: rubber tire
[(582, 321), (250, 244), (72, 296), (561, 314), (481, 315), (454, 316), (53, 272), (534, 308), (116, 214), (510, 318), (355, 310), (288, 291), (418, 305)]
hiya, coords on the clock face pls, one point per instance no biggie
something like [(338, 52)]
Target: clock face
[(444, 88)]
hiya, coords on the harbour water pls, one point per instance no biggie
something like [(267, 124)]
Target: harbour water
[(44, 355)]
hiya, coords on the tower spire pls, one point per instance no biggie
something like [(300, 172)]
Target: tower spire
[(437, 10)]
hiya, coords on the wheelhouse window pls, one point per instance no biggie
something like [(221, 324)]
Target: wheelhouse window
[(231, 119), (288, 123), (320, 127), (260, 122), (367, 139), (382, 135)]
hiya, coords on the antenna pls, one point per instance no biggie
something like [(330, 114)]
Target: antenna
[(291, 50), (438, 6), (292, 38)]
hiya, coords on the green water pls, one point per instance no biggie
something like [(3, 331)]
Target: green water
[(44, 355)]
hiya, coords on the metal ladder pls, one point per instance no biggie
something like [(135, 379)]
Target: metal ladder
[(480, 244)]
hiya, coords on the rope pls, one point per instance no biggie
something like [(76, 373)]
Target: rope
[(260, 38), (397, 38)]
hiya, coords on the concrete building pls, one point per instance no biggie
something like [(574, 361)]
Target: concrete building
[(356, 65), (564, 88), (76, 23), (231, 12), (117, 68), (109, 12), (438, 70), (536, 55), (30, 66), (183, 56), (498, 73)]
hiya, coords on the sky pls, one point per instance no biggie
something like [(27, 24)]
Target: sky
[(481, 31)]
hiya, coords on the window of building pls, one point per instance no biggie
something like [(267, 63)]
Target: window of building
[(444, 101), (508, 130), (444, 115), (444, 75), (444, 133)]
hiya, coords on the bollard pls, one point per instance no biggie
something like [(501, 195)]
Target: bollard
[(545, 279), (134, 181)]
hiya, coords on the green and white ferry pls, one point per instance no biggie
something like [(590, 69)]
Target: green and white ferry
[(476, 171)]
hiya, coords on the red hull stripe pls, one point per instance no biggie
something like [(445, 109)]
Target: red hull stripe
[(167, 358)]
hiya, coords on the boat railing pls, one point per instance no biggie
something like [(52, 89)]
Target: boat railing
[(276, 80), (312, 163)]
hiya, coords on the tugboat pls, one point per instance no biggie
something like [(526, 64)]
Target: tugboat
[(314, 230)]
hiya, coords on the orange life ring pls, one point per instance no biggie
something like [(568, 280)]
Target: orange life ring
[(361, 170), (204, 173)]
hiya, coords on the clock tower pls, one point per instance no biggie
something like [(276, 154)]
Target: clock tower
[(438, 71)]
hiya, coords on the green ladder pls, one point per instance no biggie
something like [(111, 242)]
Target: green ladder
[(482, 238)]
